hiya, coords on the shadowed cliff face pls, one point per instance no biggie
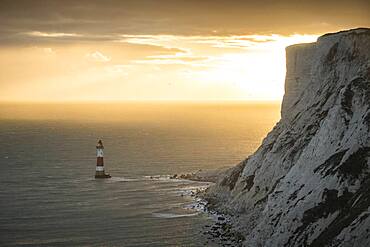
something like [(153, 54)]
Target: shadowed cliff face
[(308, 183)]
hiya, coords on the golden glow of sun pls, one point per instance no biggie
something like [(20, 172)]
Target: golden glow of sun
[(256, 73), (149, 67)]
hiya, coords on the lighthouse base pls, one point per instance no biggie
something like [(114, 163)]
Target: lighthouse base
[(101, 174)]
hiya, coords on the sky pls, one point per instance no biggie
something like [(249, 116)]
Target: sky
[(91, 50)]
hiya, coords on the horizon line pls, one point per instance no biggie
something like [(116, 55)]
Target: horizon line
[(139, 101)]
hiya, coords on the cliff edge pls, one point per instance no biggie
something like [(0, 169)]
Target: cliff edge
[(308, 184)]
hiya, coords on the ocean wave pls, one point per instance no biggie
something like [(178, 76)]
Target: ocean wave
[(172, 215), (199, 205), (158, 177), (122, 179)]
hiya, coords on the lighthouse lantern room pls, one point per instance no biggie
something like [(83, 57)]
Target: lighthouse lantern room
[(99, 172)]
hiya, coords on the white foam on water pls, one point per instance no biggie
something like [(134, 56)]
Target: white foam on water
[(198, 205), (171, 216), (159, 177), (122, 179)]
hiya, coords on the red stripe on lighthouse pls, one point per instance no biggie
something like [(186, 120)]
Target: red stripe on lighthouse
[(99, 161)]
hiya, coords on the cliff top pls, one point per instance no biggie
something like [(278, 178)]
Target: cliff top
[(360, 30)]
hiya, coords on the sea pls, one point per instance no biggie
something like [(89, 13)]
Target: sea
[(48, 194)]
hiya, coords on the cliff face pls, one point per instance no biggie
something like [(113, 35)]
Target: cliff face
[(309, 182)]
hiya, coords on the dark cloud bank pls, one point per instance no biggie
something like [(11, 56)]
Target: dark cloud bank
[(105, 20)]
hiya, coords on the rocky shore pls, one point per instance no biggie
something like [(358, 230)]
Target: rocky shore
[(201, 175), (222, 232)]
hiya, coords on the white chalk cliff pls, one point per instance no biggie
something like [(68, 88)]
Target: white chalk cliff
[(308, 184)]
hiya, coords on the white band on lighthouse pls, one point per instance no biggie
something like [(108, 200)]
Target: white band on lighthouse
[(99, 153), (100, 168)]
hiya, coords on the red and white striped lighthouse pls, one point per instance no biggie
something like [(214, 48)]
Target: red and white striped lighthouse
[(99, 172)]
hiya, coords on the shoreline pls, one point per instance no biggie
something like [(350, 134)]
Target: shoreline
[(209, 176), (222, 231)]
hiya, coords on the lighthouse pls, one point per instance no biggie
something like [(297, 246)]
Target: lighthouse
[(99, 172)]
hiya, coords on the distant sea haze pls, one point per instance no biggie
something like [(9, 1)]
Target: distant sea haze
[(48, 192)]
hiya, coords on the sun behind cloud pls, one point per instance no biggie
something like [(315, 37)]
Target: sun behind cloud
[(158, 50), (151, 67)]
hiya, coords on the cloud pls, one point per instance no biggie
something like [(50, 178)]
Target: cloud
[(228, 41), (178, 48), (100, 20), (98, 57), (147, 39), (167, 43), (52, 35), (253, 41), (180, 42), (237, 41), (206, 51), (178, 58)]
